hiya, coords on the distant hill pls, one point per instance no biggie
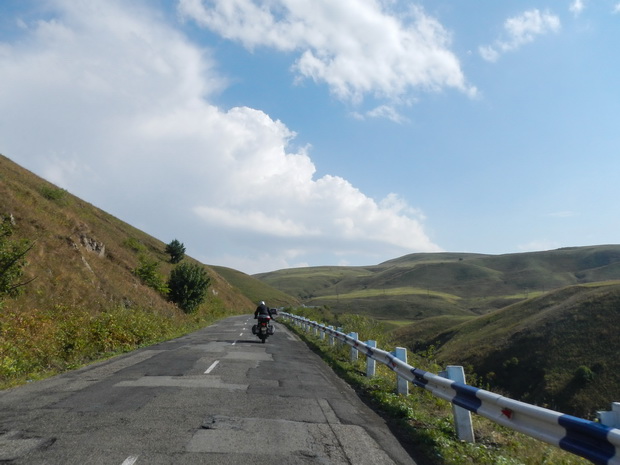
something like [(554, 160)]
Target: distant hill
[(255, 289), (559, 349), (423, 285)]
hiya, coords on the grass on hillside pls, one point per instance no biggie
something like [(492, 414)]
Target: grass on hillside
[(483, 283), (424, 423), (558, 350), (254, 289), (395, 291)]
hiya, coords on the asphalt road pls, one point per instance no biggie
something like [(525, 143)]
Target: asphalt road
[(216, 396)]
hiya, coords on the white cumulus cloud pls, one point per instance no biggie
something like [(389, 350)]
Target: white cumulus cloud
[(109, 100), (520, 30), (356, 47)]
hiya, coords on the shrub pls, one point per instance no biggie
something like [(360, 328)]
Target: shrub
[(147, 272), (134, 244), (584, 375), (12, 260), (188, 285), (54, 194)]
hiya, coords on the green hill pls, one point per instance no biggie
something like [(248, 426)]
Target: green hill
[(419, 286), (254, 289), (558, 350)]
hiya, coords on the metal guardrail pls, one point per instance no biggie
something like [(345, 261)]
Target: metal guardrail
[(594, 441)]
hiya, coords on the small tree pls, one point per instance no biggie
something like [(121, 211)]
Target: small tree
[(188, 286), (12, 260), (176, 250)]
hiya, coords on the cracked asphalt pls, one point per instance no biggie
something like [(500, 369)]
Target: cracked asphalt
[(215, 396)]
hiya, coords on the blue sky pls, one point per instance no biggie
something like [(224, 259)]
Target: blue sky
[(282, 133)]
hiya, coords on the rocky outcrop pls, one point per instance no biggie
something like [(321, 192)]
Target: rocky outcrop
[(92, 245)]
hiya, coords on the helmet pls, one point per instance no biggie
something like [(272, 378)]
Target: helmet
[(262, 302)]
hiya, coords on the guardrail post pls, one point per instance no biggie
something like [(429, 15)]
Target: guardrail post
[(322, 332), (353, 349), (611, 418), (331, 336), (462, 417), (339, 342), (371, 363), (402, 385)]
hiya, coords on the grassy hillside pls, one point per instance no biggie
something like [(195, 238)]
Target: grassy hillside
[(84, 300), (558, 350), (254, 289), (418, 286)]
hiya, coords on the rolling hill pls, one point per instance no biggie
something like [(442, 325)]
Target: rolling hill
[(418, 286), (559, 349), (255, 289)]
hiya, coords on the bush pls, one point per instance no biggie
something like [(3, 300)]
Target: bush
[(134, 244), (188, 285), (147, 272), (12, 260), (54, 194), (584, 375)]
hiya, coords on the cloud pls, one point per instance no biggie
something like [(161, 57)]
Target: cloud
[(577, 7), (109, 100), (616, 8), (521, 30), (356, 47), (382, 111)]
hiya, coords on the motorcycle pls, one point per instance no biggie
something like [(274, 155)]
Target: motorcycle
[(264, 328)]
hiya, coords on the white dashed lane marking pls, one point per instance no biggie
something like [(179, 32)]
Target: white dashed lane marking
[(213, 365)]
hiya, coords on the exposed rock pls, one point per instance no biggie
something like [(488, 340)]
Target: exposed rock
[(92, 245)]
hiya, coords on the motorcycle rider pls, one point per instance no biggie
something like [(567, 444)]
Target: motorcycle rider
[(262, 309)]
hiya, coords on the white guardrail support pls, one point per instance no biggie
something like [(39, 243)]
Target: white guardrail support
[(402, 386), (371, 363), (611, 418), (353, 348), (597, 442), (462, 417)]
